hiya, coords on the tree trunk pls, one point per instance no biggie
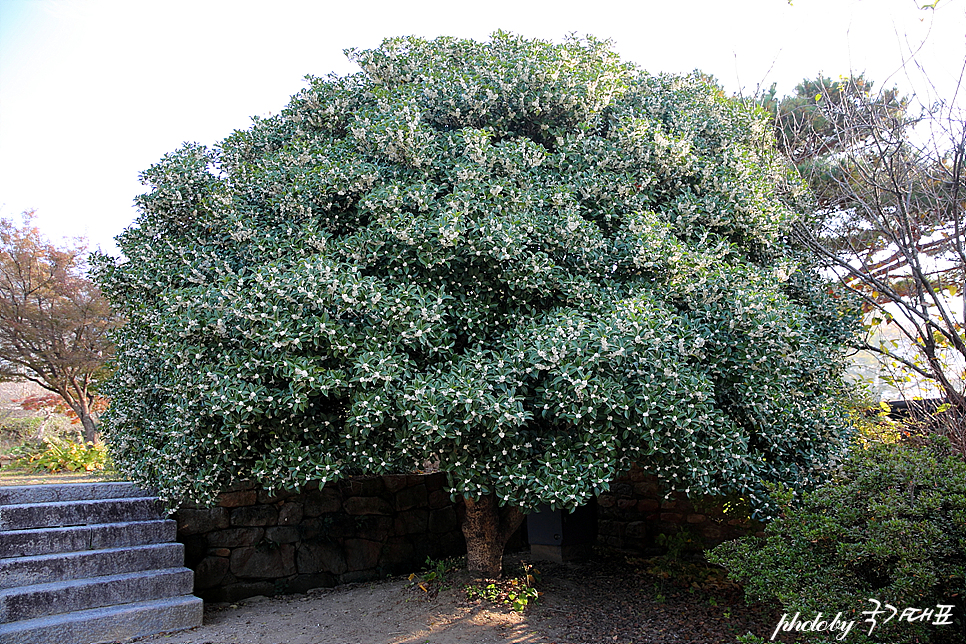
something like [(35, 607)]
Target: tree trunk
[(81, 407), (42, 430), (90, 427), (487, 528)]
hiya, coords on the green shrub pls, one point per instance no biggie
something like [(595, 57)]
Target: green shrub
[(891, 527), (15, 431), (59, 455), (433, 578)]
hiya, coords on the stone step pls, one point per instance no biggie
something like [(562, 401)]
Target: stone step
[(68, 513), (109, 624), (20, 495), (42, 541), (41, 600), (42, 569)]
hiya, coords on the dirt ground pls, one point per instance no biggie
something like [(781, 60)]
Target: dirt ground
[(379, 613), (605, 600)]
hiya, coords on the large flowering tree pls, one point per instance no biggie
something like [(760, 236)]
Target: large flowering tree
[(529, 263)]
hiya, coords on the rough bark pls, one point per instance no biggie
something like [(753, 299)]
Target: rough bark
[(90, 427), (487, 528), (82, 408)]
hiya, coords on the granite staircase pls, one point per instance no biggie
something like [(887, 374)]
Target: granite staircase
[(89, 562)]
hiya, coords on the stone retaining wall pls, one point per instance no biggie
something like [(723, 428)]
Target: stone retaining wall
[(635, 511), (366, 528), (253, 543)]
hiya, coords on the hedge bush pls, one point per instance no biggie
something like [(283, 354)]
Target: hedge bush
[(891, 527)]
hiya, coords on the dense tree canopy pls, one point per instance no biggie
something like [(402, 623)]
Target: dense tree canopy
[(529, 263)]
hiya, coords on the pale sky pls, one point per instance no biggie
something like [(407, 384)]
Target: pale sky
[(92, 92)]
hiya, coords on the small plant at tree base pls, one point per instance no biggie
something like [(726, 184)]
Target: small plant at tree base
[(891, 526), (490, 592), (433, 577), (517, 592)]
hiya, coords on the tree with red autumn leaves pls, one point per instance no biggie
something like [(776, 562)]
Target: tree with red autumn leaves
[(49, 404), (53, 320)]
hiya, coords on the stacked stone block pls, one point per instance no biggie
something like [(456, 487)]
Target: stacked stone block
[(636, 510), (257, 543)]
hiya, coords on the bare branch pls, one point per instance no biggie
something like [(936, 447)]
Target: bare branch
[(888, 219)]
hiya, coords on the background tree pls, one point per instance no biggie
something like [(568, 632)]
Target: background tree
[(49, 405), (888, 221), (817, 120), (530, 264), (53, 320)]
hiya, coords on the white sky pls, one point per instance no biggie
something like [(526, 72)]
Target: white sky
[(94, 91)]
